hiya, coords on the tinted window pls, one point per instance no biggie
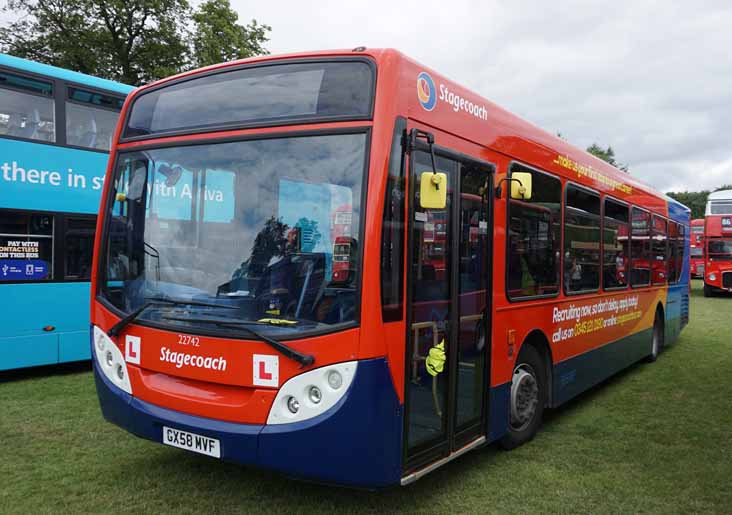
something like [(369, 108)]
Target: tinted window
[(91, 119), (640, 274), (673, 248), (26, 246), (392, 235), (534, 238), (615, 245), (26, 108), (581, 240), (265, 94), (659, 237), (79, 247), (681, 245)]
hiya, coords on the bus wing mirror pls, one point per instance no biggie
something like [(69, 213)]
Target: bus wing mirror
[(521, 186), (433, 190)]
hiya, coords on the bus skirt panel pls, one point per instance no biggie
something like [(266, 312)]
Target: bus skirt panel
[(356, 442)]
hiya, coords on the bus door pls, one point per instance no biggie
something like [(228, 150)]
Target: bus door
[(448, 284)]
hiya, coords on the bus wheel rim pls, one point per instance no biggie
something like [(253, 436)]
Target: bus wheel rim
[(524, 397)]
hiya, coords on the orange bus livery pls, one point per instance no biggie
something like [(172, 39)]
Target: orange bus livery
[(360, 270)]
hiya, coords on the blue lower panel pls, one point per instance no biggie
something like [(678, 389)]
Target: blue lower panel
[(31, 351), (500, 408), (357, 442), (73, 346), (575, 375)]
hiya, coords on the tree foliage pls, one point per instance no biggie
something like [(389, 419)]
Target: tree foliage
[(130, 41), (218, 37), (607, 155)]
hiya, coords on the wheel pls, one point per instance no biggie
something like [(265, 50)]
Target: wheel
[(528, 398), (708, 292), (656, 339)]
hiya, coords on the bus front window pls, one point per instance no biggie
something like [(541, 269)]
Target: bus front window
[(720, 250), (267, 226)]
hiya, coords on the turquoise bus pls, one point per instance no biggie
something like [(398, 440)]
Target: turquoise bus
[(56, 127)]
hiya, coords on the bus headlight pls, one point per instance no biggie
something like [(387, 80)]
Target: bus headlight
[(321, 389), (712, 276), (110, 360)]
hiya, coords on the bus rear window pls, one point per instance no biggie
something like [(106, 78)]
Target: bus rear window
[(262, 95)]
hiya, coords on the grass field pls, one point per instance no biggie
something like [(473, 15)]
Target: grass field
[(654, 439)]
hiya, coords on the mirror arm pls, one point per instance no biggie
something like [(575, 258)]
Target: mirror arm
[(499, 189)]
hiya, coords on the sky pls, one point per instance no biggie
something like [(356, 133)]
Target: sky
[(653, 79)]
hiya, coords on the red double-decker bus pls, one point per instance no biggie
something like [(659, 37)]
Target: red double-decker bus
[(265, 291), (718, 243), (696, 249)]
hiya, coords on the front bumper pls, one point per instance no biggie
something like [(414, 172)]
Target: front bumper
[(357, 442)]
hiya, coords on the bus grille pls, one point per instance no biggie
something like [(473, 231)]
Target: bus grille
[(684, 309), (727, 280)]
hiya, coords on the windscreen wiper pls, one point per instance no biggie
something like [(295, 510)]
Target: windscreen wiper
[(303, 359), (159, 301)]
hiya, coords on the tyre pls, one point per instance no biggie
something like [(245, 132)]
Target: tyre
[(528, 398), (657, 338), (708, 292)]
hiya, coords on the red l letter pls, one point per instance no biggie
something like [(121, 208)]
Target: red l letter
[(263, 374)]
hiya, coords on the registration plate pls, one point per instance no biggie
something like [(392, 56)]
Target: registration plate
[(191, 442)]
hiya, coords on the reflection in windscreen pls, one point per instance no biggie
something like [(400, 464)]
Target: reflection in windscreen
[(269, 227)]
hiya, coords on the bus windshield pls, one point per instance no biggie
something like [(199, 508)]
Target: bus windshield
[(247, 224), (697, 252), (720, 249)]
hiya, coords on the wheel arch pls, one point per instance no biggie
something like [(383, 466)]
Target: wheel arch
[(538, 340)]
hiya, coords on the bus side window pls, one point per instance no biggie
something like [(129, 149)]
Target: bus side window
[(640, 255), (78, 247), (615, 245), (581, 240), (659, 238), (672, 251), (26, 108), (534, 238), (91, 118)]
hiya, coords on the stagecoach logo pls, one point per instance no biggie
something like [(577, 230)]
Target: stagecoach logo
[(426, 91)]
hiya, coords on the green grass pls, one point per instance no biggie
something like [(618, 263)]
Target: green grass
[(654, 439)]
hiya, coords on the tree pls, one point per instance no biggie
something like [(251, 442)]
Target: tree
[(218, 37), (607, 155), (130, 41)]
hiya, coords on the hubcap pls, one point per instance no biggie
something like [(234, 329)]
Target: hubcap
[(524, 397)]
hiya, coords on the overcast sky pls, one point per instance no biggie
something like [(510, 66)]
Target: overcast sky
[(653, 79)]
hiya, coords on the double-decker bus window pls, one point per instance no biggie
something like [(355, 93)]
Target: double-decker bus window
[(672, 250), (615, 245), (392, 232), (581, 240), (720, 207), (91, 118), (534, 238), (659, 237), (78, 247), (26, 108), (262, 95), (26, 246), (640, 259)]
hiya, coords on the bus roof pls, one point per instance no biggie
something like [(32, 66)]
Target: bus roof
[(60, 73), (720, 195), (499, 130)]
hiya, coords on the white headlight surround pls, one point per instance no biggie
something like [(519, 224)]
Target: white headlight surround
[(110, 361), (300, 387)]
